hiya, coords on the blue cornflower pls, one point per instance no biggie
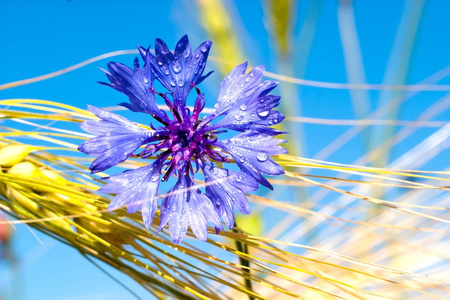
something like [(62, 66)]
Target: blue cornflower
[(185, 143)]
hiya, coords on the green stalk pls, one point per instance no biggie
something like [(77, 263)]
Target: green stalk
[(241, 247)]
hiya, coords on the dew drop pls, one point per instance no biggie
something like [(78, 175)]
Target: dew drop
[(172, 83), (174, 208), (160, 62), (180, 82), (197, 56), (243, 107), (154, 177), (176, 66), (263, 113), (247, 79), (204, 47), (242, 159), (164, 50), (239, 178), (261, 157), (270, 122), (187, 52), (238, 117), (166, 72)]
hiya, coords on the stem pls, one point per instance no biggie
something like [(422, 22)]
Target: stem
[(241, 247)]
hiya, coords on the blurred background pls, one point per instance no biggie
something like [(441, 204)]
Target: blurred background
[(373, 45)]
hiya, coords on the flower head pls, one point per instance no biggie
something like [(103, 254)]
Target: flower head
[(184, 143)]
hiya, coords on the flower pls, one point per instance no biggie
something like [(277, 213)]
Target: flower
[(185, 143)]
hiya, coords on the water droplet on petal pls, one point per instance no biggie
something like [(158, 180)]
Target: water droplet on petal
[(174, 208), (176, 66), (172, 83), (262, 113), (166, 72), (242, 159), (155, 177), (164, 50), (243, 107), (187, 53), (247, 79), (238, 117), (261, 157), (239, 178), (180, 82), (204, 47)]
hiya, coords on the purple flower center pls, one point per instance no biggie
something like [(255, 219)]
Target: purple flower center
[(183, 140)]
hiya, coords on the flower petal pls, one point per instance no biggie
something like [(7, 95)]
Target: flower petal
[(177, 71), (186, 205), (201, 210), (239, 88), (137, 84), (137, 188), (117, 139), (228, 189), (251, 151), (253, 114)]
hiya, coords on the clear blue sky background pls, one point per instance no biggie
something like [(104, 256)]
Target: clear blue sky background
[(38, 37)]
